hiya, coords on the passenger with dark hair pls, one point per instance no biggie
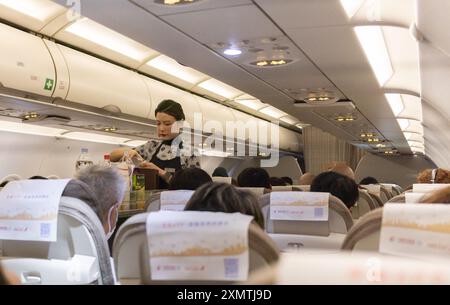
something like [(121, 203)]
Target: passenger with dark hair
[(220, 172), (38, 178), (254, 177), (221, 197), (189, 179), (288, 180), (275, 181), (338, 185), (368, 181)]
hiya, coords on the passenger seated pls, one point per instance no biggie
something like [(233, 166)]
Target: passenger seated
[(437, 175), (189, 179), (338, 185), (103, 189), (288, 180), (275, 181), (343, 169), (254, 177), (220, 172), (368, 181), (221, 197), (306, 179), (439, 196)]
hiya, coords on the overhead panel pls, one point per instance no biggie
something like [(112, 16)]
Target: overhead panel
[(25, 64), (97, 83)]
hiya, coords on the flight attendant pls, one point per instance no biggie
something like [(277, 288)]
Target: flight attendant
[(167, 154)]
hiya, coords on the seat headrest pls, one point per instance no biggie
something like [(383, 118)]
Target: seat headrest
[(130, 251), (340, 220)]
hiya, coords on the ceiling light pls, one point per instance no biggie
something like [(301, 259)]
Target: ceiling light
[(289, 120), (30, 129), (416, 144), (413, 137), (351, 7), (103, 36), (93, 137), (273, 112), (110, 129), (396, 103), (36, 9), (172, 67), (219, 88), (381, 146), (251, 103), (410, 126), (372, 41), (232, 52)]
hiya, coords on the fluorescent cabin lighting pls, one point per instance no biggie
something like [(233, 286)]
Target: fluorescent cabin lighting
[(409, 136), (251, 103), (351, 7), (289, 120), (372, 41), (219, 88), (410, 126), (273, 112), (396, 103), (172, 67), (30, 129), (93, 137), (103, 36), (37, 9)]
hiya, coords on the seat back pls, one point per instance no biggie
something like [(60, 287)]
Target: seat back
[(355, 269), (364, 205), (339, 220), (398, 199), (131, 257), (226, 180), (154, 203), (79, 256), (414, 230), (257, 191), (287, 188)]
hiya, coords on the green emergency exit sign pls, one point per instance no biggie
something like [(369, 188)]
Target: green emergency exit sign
[(49, 84)]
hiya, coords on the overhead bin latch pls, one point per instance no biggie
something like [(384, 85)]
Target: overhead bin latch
[(112, 108)]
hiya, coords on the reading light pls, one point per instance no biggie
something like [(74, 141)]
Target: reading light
[(232, 52)]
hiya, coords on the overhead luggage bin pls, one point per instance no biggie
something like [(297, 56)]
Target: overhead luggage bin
[(214, 115), (245, 120), (26, 67), (97, 83), (159, 91)]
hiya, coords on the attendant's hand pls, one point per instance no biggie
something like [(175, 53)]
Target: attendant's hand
[(151, 165)]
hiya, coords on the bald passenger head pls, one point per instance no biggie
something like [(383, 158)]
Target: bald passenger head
[(343, 169), (306, 179)]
